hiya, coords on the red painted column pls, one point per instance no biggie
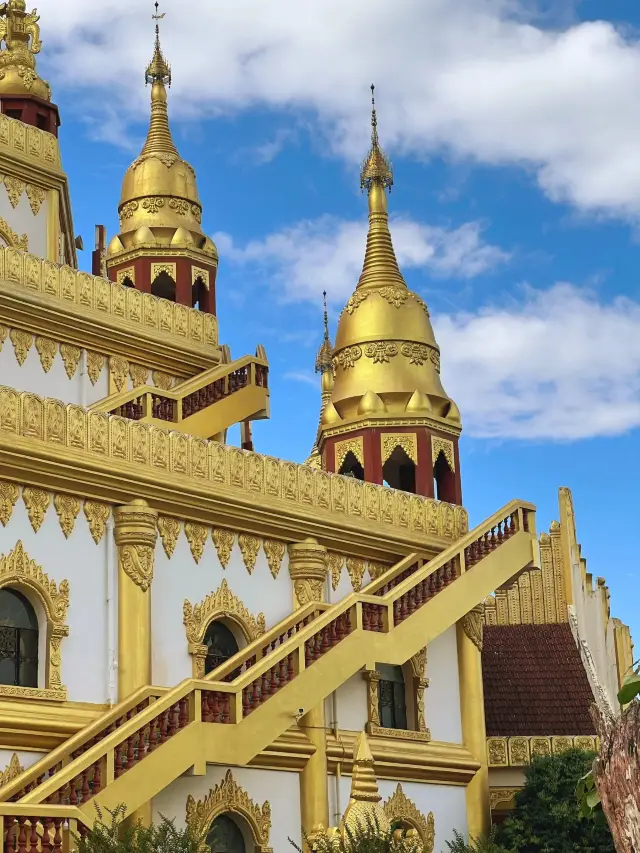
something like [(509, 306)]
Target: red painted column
[(424, 469), (372, 456)]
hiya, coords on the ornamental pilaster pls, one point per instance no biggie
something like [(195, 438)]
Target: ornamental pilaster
[(308, 568)]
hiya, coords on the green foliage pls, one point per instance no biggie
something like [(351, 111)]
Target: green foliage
[(117, 836), (483, 844), (368, 837), (547, 817)]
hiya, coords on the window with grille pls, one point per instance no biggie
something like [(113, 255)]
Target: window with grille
[(18, 640), (392, 704), (225, 836), (221, 645)]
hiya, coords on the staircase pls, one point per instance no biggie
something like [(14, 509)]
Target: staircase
[(205, 405), (141, 746)]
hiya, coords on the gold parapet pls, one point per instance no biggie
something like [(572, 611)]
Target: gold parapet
[(98, 314), (65, 448), (518, 751)]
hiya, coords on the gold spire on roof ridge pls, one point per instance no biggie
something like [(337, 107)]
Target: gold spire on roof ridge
[(159, 141), (364, 785), (20, 32), (376, 166), (325, 353)]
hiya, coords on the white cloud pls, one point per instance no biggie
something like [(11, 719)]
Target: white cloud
[(327, 254), (476, 78), (559, 365)]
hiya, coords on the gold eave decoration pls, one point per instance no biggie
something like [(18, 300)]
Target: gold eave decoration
[(518, 751), (18, 570), (11, 771), (228, 796), (401, 419), (401, 810)]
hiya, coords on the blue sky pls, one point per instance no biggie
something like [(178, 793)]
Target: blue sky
[(514, 130)]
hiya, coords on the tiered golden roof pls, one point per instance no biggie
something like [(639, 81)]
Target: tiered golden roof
[(20, 32), (159, 203), (386, 359)]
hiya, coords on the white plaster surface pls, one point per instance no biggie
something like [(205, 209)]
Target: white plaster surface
[(26, 759), (22, 221), (280, 788), (506, 777), (83, 563), (56, 384), (442, 696), (181, 578), (351, 699)]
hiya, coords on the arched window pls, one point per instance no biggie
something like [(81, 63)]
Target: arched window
[(164, 287), (221, 645), (399, 471), (225, 836), (18, 640), (391, 697), (126, 282), (198, 292), (351, 467), (443, 480)]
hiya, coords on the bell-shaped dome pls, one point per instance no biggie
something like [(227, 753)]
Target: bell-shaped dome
[(159, 188), (386, 360)]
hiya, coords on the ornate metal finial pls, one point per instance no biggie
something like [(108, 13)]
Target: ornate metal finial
[(377, 166), (158, 70), (325, 353), (326, 316), (20, 41)]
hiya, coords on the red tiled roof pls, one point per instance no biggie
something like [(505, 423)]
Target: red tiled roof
[(534, 682)]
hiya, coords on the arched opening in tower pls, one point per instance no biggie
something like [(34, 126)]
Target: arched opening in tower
[(198, 292), (164, 287), (444, 480), (126, 282), (399, 471), (351, 467)]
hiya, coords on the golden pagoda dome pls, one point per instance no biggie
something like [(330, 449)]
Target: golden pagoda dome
[(20, 32), (386, 360), (159, 191)]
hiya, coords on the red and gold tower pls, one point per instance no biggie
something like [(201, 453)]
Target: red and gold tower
[(388, 418), (161, 248)]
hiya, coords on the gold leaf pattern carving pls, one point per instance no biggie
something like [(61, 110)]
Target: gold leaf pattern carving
[(37, 503), (347, 357), (223, 540), (196, 537), (95, 364), (9, 494), (15, 188), (336, 564), (472, 625), (444, 446), (416, 353), (355, 299), (67, 507), (12, 239), (405, 440), (249, 546), (400, 809), (162, 380), (138, 374), (395, 296), (71, 357), (36, 197), (11, 771), (355, 568), (274, 551), (349, 445), (22, 342), (118, 368), (381, 351), (169, 529), (137, 563), (97, 514), (47, 350), (217, 605)]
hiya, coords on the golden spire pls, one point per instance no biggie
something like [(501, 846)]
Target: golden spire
[(20, 32), (376, 167), (159, 141), (364, 806), (325, 353)]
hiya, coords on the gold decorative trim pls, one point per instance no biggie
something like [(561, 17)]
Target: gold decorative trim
[(19, 570), (11, 771), (401, 810), (47, 350), (15, 188), (249, 547), (22, 343), (13, 240), (444, 446), (224, 541), (355, 569), (97, 514), (350, 425), (118, 371), (228, 796), (274, 551), (404, 440), (399, 734), (156, 269), (95, 365), (9, 494), (504, 797), (350, 445), (518, 751), (71, 357), (67, 508), (221, 604), (347, 357), (472, 625), (169, 530), (37, 503), (36, 196), (162, 380), (196, 537), (198, 272), (39, 145), (336, 565), (128, 272), (381, 351), (138, 374)]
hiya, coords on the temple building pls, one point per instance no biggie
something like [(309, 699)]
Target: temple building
[(245, 644)]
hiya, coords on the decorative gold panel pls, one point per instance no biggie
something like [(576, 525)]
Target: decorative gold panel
[(128, 272), (444, 446), (401, 810), (197, 273), (350, 445), (518, 751), (405, 440), (156, 269)]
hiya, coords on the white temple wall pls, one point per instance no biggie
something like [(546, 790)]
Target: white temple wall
[(351, 704), (83, 563), (22, 220), (447, 802), (280, 788), (26, 759), (180, 578), (442, 696), (30, 376)]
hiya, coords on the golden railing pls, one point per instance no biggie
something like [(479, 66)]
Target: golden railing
[(105, 751)]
